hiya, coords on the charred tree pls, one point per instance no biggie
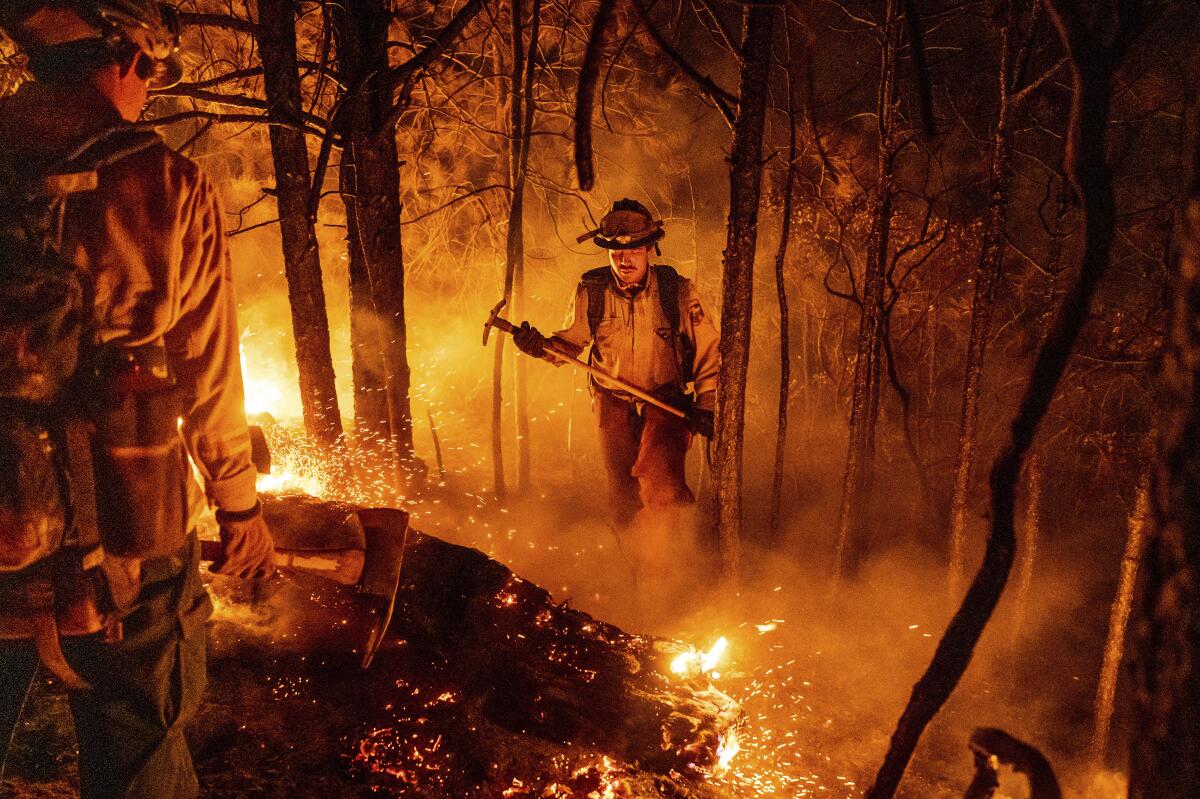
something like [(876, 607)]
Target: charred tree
[(521, 107), (987, 276), (785, 352), (1030, 531), (1093, 63), (585, 95), (851, 544), (370, 188), (1114, 644), (745, 187), (1165, 756), (275, 34)]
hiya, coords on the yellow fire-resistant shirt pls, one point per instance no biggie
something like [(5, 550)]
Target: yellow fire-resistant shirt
[(152, 238), (634, 340)]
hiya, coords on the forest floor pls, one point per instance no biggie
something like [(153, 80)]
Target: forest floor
[(822, 679)]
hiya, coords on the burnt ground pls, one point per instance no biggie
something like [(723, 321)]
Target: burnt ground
[(483, 688), (288, 712)]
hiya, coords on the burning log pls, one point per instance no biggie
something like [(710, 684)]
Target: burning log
[(475, 654)]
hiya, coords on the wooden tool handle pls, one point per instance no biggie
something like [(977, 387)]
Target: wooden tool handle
[(343, 566)]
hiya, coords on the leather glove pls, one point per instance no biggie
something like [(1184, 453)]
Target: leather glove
[(529, 340), (247, 548), (700, 421)]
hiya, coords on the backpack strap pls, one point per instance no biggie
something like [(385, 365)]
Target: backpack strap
[(596, 281), (77, 169), (668, 296)]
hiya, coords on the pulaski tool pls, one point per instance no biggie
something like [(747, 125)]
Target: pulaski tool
[(358, 547), (497, 321)]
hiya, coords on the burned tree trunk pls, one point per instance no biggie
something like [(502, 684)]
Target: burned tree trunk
[(987, 276), (1114, 644), (1092, 66), (1165, 756), (785, 351), (851, 544), (745, 186), (370, 188), (520, 126), (1030, 530), (276, 37)]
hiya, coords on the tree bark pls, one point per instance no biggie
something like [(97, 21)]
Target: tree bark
[(276, 37), (370, 189), (785, 350), (1114, 645), (745, 187), (851, 535), (1165, 756), (1087, 169), (987, 276), (1030, 531)]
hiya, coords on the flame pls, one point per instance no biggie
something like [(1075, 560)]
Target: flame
[(694, 663), (267, 388), (285, 481), (728, 747)]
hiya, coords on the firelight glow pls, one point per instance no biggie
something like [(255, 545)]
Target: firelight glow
[(689, 664)]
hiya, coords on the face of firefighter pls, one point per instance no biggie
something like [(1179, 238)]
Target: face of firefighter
[(629, 266), (125, 89)]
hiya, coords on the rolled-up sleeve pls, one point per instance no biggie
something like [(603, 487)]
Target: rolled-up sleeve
[(203, 348), (577, 334)]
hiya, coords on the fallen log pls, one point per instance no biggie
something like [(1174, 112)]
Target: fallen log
[(497, 651)]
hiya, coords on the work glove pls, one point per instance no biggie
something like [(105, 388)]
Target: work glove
[(700, 421), (247, 548), (529, 340)]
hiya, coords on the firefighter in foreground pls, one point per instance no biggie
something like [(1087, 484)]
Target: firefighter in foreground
[(645, 325), (147, 237)]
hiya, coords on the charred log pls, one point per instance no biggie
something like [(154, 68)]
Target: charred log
[(502, 652)]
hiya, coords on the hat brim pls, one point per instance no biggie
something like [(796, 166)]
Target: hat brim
[(617, 244)]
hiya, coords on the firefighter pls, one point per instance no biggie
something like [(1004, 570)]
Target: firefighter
[(150, 240), (646, 325)]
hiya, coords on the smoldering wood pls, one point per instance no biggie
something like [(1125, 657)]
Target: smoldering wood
[(513, 656)]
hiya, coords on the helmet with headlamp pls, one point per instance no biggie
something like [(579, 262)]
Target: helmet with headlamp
[(41, 27)]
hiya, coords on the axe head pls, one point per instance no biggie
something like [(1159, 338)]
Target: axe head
[(491, 321), (387, 534)]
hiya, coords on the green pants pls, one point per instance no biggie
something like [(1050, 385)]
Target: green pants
[(144, 689)]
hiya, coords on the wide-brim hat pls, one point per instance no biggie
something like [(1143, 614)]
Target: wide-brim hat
[(625, 229)]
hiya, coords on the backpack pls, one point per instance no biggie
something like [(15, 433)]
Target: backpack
[(49, 539), (596, 281)]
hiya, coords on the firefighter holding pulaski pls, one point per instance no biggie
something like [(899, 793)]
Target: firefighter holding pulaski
[(645, 325), (118, 352)]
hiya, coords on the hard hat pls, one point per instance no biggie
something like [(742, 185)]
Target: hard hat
[(627, 226), (152, 27)]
